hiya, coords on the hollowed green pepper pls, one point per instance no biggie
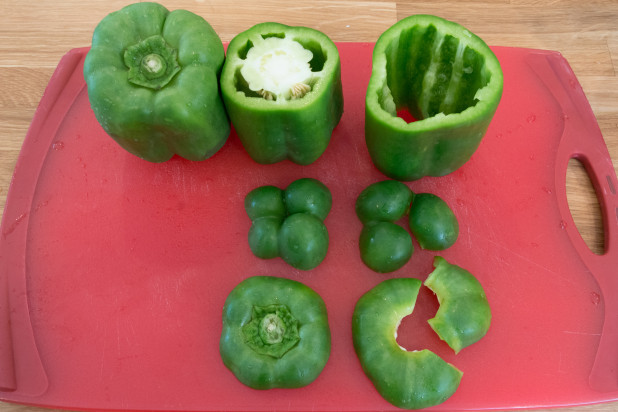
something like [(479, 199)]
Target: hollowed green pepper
[(447, 78), (275, 333), (407, 379), (464, 314), (282, 89), (153, 82)]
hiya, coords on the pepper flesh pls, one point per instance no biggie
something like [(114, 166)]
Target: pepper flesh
[(464, 315), (275, 333), (447, 78), (278, 122), (153, 78), (407, 379)]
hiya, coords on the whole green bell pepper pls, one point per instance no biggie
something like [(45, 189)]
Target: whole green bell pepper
[(407, 379), (153, 82), (447, 78), (275, 333), (282, 89), (464, 315)]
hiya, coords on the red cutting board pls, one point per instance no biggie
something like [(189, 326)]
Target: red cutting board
[(114, 270)]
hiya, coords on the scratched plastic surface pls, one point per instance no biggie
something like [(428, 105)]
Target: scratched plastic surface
[(114, 270)]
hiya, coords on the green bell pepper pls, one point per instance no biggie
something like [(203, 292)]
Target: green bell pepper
[(464, 314), (290, 223), (282, 89), (153, 82), (407, 379), (432, 222), (275, 333), (447, 78)]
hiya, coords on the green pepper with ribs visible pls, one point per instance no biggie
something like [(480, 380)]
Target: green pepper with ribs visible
[(447, 78), (153, 82)]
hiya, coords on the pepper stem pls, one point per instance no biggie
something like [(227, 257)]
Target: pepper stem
[(152, 62), (272, 331), (153, 66)]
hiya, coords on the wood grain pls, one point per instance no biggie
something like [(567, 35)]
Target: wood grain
[(34, 36)]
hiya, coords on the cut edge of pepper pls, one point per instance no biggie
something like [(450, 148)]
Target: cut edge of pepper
[(486, 98)]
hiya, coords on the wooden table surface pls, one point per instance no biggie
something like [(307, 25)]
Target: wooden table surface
[(35, 35)]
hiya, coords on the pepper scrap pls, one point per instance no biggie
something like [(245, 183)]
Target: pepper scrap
[(464, 315), (384, 245), (418, 379), (275, 333), (406, 379), (432, 222), (290, 223), (153, 82), (447, 78), (282, 89)]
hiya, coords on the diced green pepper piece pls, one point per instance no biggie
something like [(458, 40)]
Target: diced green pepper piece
[(385, 201), (385, 246), (432, 222), (303, 241), (282, 89), (447, 78)]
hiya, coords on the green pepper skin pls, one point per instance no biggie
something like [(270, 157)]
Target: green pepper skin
[(464, 315), (432, 222), (296, 367), (180, 112), (386, 201), (265, 201), (303, 241), (264, 237), (308, 195), (298, 130), (406, 379), (385, 246), (447, 78)]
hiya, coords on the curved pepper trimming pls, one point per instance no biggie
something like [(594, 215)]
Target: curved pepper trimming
[(153, 82), (407, 379), (418, 379), (447, 78), (282, 89)]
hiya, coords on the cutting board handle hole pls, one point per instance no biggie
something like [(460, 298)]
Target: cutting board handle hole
[(587, 215)]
